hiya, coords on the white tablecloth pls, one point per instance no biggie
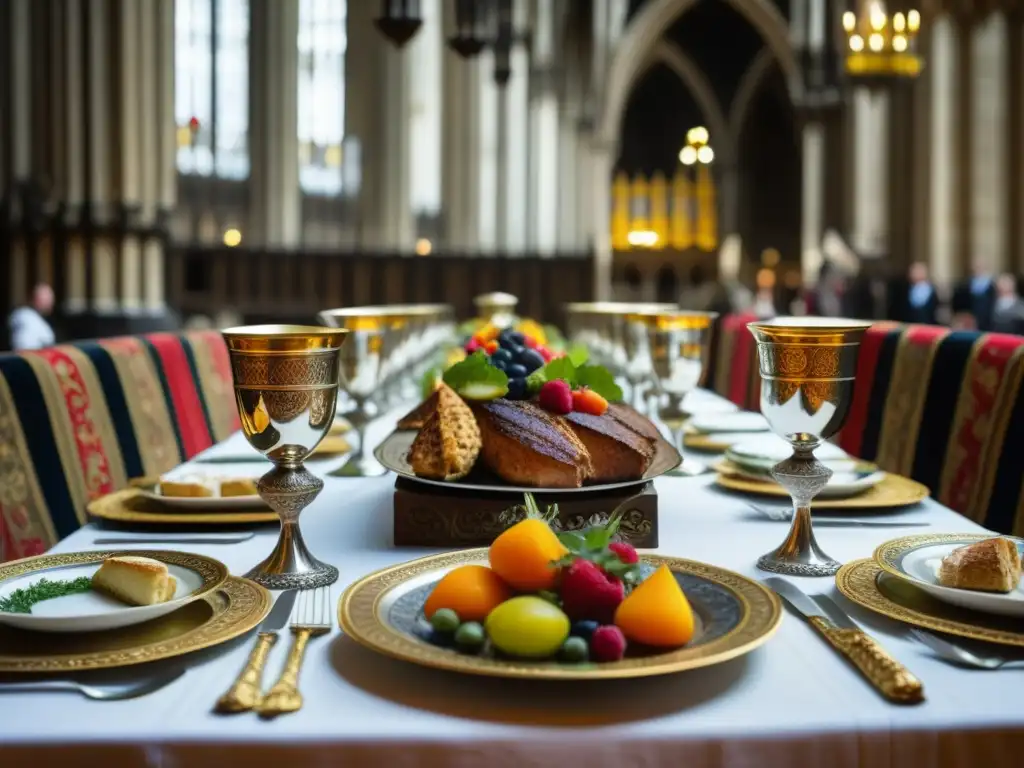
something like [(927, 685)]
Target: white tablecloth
[(793, 702)]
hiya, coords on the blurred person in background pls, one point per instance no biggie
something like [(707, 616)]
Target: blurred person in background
[(1008, 307), (974, 299), (28, 326), (921, 301)]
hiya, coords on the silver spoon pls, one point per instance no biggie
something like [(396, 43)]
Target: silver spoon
[(960, 655), (97, 692)]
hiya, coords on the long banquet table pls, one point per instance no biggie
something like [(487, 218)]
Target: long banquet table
[(793, 702)]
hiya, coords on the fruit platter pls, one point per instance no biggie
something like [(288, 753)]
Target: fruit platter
[(515, 416), (573, 605)]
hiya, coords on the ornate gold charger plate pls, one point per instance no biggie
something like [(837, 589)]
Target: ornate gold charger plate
[(702, 441), (230, 611), (866, 584), (393, 451), (131, 506), (383, 612), (893, 491)]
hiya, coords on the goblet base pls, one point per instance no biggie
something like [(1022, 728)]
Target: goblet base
[(812, 564), (321, 575)]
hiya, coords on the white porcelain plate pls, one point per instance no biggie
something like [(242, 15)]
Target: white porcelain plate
[(766, 450), (207, 503), (740, 421), (196, 576), (849, 478), (917, 559)]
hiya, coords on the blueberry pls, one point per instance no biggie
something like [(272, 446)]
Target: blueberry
[(516, 389), (517, 337), (501, 365), (574, 650), (584, 628), (517, 351), (501, 354), (504, 342), (470, 637), (531, 359), (515, 370), (445, 620)]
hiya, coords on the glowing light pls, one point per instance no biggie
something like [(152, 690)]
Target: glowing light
[(697, 136), (705, 155), (876, 42), (913, 20), (856, 43), (849, 21), (899, 43), (688, 155), (232, 237), (423, 247), (899, 22), (642, 238)]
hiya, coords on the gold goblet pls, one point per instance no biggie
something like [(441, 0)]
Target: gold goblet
[(808, 366), (286, 389)]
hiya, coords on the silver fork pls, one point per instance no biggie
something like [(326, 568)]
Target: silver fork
[(780, 515), (960, 655), (312, 617), (97, 692)]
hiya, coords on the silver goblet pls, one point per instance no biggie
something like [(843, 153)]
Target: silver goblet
[(286, 389), (808, 366)]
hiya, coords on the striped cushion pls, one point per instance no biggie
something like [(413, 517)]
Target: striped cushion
[(77, 421)]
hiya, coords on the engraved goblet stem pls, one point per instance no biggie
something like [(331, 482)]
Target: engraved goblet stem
[(289, 489), (799, 555)]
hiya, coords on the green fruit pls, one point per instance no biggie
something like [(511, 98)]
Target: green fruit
[(470, 636), (482, 390), (445, 620), (527, 626), (574, 650)]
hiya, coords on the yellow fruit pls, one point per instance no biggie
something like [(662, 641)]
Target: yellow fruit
[(472, 591), (534, 330), (523, 555), (656, 612), (528, 627)]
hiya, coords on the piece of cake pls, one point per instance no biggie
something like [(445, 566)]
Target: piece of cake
[(992, 565), (179, 489), (447, 446), (239, 487), (525, 445), (135, 580)]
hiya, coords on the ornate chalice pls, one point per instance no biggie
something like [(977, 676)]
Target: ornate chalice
[(286, 389), (808, 366)]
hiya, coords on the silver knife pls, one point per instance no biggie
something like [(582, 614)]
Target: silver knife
[(212, 538), (889, 677), (247, 691)]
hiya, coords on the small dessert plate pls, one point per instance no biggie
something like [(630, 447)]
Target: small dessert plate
[(739, 421), (916, 559), (765, 451), (197, 503), (849, 478), (196, 576)]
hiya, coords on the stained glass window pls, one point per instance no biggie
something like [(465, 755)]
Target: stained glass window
[(211, 90), (321, 95)]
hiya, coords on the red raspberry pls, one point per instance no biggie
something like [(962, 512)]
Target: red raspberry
[(625, 552), (472, 346), (531, 342), (546, 354), (555, 396), (607, 644), (590, 593)]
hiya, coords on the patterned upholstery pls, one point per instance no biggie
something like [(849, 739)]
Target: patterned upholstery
[(78, 421)]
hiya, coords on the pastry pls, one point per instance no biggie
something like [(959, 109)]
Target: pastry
[(447, 446), (417, 417), (525, 445), (135, 580), (617, 453), (239, 487), (992, 565), (180, 489)]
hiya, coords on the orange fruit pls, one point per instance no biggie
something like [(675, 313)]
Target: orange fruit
[(472, 591), (656, 612), (523, 555), (589, 401)]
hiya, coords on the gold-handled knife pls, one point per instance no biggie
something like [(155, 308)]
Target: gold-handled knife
[(886, 674), (247, 692)]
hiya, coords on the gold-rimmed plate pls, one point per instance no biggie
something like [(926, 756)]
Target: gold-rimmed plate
[(195, 575), (893, 491), (917, 559), (233, 609), (393, 453), (849, 478), (384, 612), (866, 584), (132, 507)]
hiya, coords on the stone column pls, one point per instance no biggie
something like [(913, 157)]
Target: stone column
[(460, 151), (274, 195), (569, 170), (813, 200), (601, 163), (870, 235), (546, 138), (944, 166)]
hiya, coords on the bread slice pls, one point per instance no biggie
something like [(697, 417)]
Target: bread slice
[(185, 489), (135, 580), (239, 487), (634, 420), (992, 565), (525, 445), (447, 446), (617, 453)]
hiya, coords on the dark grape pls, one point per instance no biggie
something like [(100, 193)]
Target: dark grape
[(517, 337), (501, 354), (531, 360), (517, 351), (516, 389), (515, 370), (498, 363)]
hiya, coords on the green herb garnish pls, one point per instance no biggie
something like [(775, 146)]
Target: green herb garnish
[(476, 379), (22, 600), (595, 377)]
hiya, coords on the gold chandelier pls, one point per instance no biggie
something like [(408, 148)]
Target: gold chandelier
[(880, 46)]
